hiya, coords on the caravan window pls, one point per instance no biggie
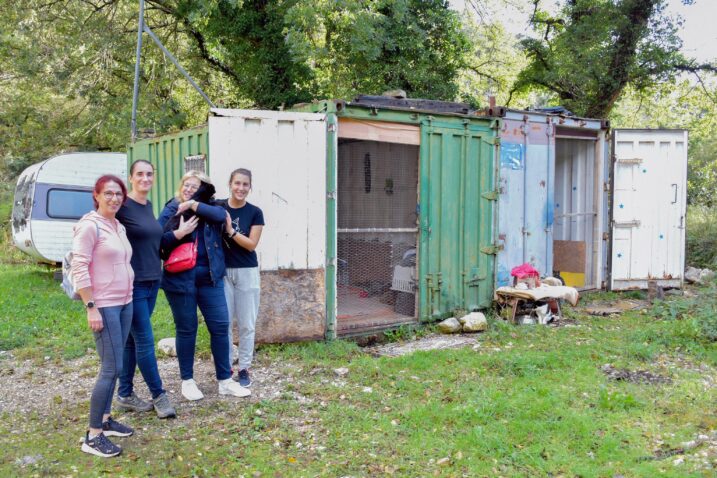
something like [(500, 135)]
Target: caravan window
[(68, 204)]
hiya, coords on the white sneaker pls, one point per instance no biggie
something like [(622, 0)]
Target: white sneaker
[(190, 391), (230, 387)]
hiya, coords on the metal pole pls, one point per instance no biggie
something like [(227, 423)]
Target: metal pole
[(135, 93), (176, 63)]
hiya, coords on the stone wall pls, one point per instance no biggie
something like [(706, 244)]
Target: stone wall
[(293, 306)]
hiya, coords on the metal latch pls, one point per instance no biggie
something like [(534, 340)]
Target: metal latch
[(492, 249), (490, 195), (633, 223), (629, 160)]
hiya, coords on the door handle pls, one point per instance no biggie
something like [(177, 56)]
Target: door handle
[(675, 200)]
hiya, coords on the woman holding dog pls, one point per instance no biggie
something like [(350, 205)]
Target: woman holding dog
[(144, 234), (103, 276), (201, 286)]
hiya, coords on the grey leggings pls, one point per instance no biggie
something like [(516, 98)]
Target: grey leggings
[(110, 347)]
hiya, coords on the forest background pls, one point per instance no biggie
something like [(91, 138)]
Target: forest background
[(66, 66)]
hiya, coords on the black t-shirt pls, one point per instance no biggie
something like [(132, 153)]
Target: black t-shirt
[(144, 234), (243, 218)]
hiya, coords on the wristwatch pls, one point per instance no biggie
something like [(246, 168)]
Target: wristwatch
[(232, 234), (90, 305)]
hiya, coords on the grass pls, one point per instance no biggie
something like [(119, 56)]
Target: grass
[(38, 320), (527, 401)]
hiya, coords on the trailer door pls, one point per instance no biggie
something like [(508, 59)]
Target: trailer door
[(648, 208)]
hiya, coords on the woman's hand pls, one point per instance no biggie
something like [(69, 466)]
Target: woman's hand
[(191, 204), (229, 226), (94, 319), (186, 227)]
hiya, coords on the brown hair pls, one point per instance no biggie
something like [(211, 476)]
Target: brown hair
[(242, 171), (135, 163)]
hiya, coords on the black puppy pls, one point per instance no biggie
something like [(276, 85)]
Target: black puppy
[(204, 194)]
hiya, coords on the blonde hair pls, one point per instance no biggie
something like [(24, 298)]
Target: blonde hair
[(191, 174)]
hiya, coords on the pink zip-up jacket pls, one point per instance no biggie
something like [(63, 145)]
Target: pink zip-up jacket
[(101, 261)]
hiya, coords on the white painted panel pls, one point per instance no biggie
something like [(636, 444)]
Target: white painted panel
[(286, 153), (52, 238), (650, 180), (82, 169)]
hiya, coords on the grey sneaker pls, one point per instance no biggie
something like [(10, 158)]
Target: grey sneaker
[(132, 404), (164, 407), (100, 446), (111, 428)]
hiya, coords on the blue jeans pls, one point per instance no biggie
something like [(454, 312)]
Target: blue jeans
[(139, 349), (110, 344), (210, 300)]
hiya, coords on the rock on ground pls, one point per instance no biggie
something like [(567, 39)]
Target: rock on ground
[(450, 326), (474, 322), (693, 275), (168, 347)]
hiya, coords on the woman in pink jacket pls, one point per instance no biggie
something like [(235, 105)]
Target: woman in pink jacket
[(103, 276)]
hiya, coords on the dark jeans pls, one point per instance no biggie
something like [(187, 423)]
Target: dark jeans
[(210, 300), (110, 345), (139, 350)]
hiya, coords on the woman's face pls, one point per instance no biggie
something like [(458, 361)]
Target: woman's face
[(240, 187), (142, 179), (110, 199), (189, 187)]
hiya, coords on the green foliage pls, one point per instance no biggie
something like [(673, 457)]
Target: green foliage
[(694, 319), (67, 67), (702, 237), (592, 49)]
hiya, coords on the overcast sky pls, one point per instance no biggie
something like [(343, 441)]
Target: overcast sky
[(698, 33)]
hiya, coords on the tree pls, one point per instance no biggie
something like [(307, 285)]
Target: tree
[(589, 52), (284, 52)]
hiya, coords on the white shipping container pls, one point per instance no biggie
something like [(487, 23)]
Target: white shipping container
[(648, 208)]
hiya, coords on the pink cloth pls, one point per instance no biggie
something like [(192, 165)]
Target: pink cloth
[(101, 261), (523, 271)]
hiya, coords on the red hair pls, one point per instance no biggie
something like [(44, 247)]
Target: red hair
[(109, 178)]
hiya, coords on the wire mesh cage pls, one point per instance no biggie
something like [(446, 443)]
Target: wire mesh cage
[(377, 196)]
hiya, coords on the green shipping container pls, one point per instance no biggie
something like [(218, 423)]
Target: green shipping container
[(407, 208), (454, 200), (171, 155)]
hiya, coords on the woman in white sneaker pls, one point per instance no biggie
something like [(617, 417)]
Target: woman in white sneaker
[(244, 224), (201, 286), (103, 276)]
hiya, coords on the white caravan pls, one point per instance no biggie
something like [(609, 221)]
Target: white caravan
[(52, 195)]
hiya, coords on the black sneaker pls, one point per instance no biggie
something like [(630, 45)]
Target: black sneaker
[(111, 428), (243, 378), (100, 446)]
